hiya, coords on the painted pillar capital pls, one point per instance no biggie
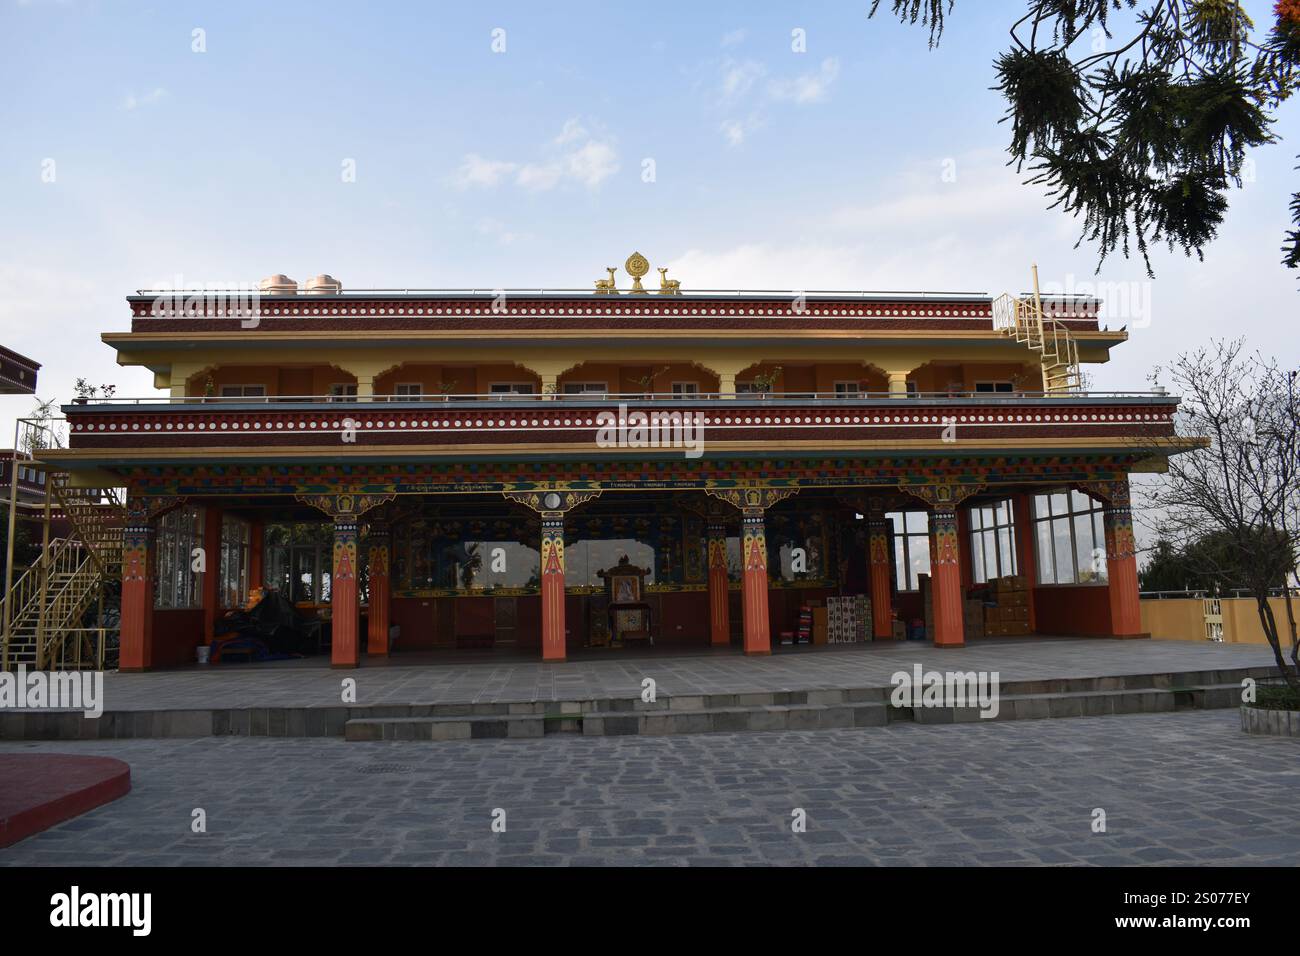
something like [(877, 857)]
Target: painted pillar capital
[(942, 496), (1110, 492), (752, 500), (553, 502), (345, 505)]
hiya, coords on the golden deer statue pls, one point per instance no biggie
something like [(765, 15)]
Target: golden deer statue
[(668, 286), (607, 286)]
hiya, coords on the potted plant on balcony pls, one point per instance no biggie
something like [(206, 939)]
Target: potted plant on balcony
[(85, 391), (763, 382)]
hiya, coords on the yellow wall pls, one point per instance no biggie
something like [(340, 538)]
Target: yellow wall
[(1182, 619)]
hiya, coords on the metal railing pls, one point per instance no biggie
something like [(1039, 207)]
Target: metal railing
[(651, 291), (842, 398), (1204, 594)]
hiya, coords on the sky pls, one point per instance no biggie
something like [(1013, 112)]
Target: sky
[(511, 145)]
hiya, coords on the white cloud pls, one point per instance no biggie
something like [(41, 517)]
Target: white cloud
[(576, 155), (132, 101), (737, 78), (737, 130), (593, 163), (477, 171), (539, 178), (734, 37), (809, 87)]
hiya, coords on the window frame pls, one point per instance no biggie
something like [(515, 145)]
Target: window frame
[(338, 391), (977, 532), (224, 391), (903, 571), (1096, 515)]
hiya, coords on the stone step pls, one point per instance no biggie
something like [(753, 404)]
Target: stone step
[(769, 717), (764, 710)]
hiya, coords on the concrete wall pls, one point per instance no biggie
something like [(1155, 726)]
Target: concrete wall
[(1182, 619)]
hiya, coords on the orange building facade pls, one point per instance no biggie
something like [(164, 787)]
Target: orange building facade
[(456, 469)]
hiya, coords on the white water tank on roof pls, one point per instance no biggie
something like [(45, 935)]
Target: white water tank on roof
[(323, 285), (278, 284)]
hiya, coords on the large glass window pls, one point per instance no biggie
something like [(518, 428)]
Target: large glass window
[(585, 558), (911, 547), (299, 560), (1070, 539), (481, 565), (992, 541), (234, 561), (179, 585)]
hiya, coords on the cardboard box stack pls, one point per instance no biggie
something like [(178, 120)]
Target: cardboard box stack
[(1008, 614), (819, 625)]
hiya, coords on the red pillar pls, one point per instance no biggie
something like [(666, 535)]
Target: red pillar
[(758, 639), (380, 592), (1121, 572), (345, 610), (553, 633), (1025, 562), (719, 585), (945, 579), (882, 593), (136, 653), (210, 585)]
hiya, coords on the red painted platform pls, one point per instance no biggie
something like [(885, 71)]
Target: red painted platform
[(40, 790)]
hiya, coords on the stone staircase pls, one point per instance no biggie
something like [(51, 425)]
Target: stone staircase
[(807, 710)]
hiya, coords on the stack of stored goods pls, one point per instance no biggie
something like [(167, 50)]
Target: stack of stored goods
[(805, 625), (863, 612), (1008, 614), (973, 617), (848, 619)]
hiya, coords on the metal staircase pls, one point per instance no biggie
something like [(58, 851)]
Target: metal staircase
[(1025, 321), (46, 608)]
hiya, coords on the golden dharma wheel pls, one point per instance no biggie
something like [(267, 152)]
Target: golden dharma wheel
[(637, 265)]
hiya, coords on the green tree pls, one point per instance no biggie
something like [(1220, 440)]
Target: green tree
[(1143, 136)]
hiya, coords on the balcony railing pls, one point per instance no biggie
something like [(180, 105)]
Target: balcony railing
[(605, 398)]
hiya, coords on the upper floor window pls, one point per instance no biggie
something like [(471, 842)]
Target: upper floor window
[(342, 392), (992, 541), (681, 389), (994, 387), (847, 389), (911, 547), (408, 390), (586, 388), (243, 391), (511, 388), (1071, 542)]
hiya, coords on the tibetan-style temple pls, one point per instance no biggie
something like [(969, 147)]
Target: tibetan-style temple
[(563, 470)]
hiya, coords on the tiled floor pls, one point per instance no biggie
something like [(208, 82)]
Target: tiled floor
[(1187, 789), (427, 678)]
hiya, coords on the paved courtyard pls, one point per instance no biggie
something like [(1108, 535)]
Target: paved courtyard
[(427, 679), (1182, 788)]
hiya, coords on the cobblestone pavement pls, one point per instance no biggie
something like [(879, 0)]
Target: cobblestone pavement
[(428, 679), (1184, 788)]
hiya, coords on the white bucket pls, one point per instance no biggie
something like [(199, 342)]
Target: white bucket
[(203, 650)]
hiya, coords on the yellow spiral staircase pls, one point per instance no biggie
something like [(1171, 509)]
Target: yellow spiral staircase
[(1024, 320)]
